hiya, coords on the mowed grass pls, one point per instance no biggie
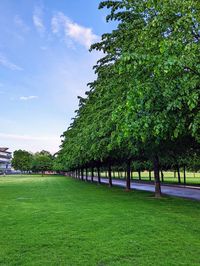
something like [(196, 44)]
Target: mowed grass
[(169, 178), (55, 220)]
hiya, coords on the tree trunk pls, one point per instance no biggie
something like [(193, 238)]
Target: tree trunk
[(79, 173), (162, 175), (128, 177), (92, 177), (139, 174), (150, 175), (110, 175), (82, 174), (179, 176), (99, 176), (86, 174), (184, 175), (157, 177)]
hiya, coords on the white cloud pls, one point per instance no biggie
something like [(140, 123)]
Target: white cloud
[(20, 23), (29, 142), (8, 64), (26, 98), (56, 24), (27, 137), (37, 20), (72, 30)]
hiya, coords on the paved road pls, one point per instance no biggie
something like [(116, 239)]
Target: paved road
[(177, 191)]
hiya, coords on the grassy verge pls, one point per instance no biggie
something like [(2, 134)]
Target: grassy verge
[(55, 220), (169, 177)]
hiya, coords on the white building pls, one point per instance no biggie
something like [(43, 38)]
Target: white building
[(5, 160)]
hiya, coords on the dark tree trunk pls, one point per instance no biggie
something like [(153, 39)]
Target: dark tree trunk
[(174, 174), (110, 175), (99, 175), (86, 174), (178, 172), (139, 174), (128, 177), (184, 175), (149, 175), (82, 174), (157, 177), (162, 175), (79, 173), (92, 177)]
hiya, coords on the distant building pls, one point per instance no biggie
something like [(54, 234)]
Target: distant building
[(5, 160)]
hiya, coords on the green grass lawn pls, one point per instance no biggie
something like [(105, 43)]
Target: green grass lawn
[(191, 178), (55, 220)]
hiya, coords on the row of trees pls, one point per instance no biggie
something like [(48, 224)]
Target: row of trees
[(144, 104), (38, 162)]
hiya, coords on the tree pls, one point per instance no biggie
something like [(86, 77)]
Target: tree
[(144, 104), (42, 163), (22, 160)]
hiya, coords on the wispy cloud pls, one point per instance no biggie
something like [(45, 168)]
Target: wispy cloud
[(27, 98), (78, 33), (30, 142), (20, 23), (27, 137), (37, 20), (8, 64), (43, 48)]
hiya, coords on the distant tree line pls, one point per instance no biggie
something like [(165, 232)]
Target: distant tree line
[(29, 162), (143, 109)]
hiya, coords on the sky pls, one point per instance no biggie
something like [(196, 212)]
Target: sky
[(44, 65)]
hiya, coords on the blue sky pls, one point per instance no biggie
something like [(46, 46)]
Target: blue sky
[(44, 66)]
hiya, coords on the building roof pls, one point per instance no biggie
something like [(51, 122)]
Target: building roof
[(4, 149)]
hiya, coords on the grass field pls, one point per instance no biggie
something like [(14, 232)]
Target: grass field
[(169, 178), (55, 220)]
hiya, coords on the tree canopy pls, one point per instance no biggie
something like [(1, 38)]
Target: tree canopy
[(22, 160), (144, 103), (38, 162)]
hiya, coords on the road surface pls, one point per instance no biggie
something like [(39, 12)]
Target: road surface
[(171, 190)]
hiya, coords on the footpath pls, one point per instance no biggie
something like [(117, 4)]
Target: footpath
[(189, 192)]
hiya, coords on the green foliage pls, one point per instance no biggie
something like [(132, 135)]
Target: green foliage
[(145, 100), (25, 161), (22, 160), (42, 162)]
